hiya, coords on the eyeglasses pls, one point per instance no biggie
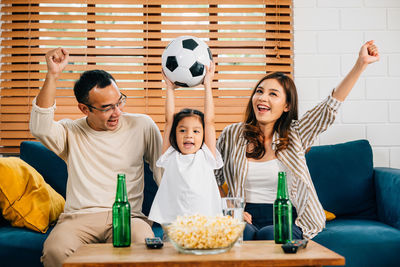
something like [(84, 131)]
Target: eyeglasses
[(120, 104)]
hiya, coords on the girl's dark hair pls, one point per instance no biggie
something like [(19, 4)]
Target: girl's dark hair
[(88, 80), (252, 132), (187, 112)]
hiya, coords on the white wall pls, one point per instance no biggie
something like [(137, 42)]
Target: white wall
[(327, 37)]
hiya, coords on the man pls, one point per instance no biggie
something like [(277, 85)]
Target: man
[(96, 148)]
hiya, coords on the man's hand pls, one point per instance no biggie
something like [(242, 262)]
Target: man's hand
[(57, 60)]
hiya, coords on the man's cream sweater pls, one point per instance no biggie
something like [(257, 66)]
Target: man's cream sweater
[(94, 158)]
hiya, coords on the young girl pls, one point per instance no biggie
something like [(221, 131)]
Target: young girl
[(189, 158)]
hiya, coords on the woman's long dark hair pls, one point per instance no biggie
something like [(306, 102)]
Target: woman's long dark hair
[(252, 130)]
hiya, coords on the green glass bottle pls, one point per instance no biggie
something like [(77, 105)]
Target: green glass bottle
[(282, 212), (121, 212)]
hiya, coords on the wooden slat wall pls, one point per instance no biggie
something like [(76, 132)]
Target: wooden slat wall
[(126, 38)]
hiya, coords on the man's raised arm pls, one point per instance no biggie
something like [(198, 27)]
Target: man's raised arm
[(57, 60)]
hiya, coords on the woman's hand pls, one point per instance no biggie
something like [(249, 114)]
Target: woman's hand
[(247, 217), (170, 85), (368, 53)]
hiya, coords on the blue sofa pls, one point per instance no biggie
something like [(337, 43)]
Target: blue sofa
[(366, 201)]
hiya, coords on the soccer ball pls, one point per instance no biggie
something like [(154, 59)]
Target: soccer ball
[(184, 61)]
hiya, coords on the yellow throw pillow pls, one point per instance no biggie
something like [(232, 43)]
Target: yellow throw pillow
[(225, 188), (329, 215), (26, 200)]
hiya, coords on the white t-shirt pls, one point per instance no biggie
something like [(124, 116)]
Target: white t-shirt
[(188, 185), (262, 180)]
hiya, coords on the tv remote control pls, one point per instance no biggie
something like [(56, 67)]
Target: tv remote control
[(294, 245), (155, 242)]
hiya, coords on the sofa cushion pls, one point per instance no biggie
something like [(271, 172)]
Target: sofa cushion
[(26, 200), (356, 239), (21, 246), (343, 178), (47, 163)]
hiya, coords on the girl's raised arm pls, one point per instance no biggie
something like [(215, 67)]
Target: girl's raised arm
[(169, 112), (209, 127)]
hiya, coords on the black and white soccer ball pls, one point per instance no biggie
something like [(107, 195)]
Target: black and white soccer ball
[(184, 61)]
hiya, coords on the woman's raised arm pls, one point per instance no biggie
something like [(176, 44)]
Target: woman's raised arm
[(368, 54)]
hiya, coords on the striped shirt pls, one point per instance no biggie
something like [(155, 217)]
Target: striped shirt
[(302, 134)]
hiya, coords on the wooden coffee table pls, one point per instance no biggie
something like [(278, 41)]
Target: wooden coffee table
[(250, 253)]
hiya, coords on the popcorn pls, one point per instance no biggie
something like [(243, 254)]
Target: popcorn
[(204, 232)]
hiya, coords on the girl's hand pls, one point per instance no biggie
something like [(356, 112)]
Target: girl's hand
[(247, 217), (368, 53), (210, 71), (170, 85)]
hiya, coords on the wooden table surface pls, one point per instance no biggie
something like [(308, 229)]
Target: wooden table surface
[(250, 253)]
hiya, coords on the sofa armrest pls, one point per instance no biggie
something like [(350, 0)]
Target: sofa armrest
[(387, 186)]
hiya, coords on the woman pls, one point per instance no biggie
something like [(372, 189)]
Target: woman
[(273, 139)]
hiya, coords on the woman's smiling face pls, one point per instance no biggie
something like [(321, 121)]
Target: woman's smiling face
[(269, 102)]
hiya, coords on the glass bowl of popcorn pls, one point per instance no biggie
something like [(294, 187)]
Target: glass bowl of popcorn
[(198, 234)]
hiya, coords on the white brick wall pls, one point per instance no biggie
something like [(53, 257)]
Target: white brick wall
[(394, 65), (394, 112), (387, 135), (339, 3), (318, 65), (382, 3), (364, 112), (363, 18), (328, 84), (381, 157), (395, 158), (321, 18), (385, 88), (327, 37), (394, 19), (339, 133)]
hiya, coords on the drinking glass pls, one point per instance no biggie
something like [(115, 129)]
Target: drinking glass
[(234, 207)]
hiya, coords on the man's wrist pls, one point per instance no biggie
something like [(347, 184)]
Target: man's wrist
[(52, 76)]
